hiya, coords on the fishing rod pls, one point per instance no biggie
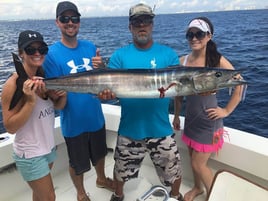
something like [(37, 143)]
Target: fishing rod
[(155, 6)]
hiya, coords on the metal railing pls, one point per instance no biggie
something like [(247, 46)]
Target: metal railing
[(155, 190)]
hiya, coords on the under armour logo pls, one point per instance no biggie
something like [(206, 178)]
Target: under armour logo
[(32, 35), (78, 68)]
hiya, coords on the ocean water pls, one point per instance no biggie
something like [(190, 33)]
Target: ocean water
[(241, 36)]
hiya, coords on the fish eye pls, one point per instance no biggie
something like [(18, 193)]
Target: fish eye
[(218, 74)]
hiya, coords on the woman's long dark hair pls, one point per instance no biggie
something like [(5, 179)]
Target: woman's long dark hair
[(213, 56)]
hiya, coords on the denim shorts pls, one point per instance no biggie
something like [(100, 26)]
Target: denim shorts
[(36, 167)]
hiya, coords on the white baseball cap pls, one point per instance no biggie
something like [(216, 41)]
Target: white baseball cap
[(199, 24)]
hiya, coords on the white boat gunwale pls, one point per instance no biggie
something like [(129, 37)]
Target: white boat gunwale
[(243, 153)]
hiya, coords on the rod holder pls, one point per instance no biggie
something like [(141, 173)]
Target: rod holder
[(153, 190)]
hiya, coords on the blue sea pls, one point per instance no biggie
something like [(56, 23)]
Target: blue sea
[(241, 36)]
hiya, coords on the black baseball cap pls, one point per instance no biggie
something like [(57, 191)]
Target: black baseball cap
[(27, 37), (64, 6)]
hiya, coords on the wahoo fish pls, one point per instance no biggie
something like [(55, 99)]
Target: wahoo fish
[(138, 83), (148, 83)]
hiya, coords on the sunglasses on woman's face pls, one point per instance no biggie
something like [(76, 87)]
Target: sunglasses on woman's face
[(199, 35), (32, 50), (66, 19)]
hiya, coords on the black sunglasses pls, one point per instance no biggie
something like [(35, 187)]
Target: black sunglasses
[(138, 21), (66, 19), (32, 50), (199, 35)]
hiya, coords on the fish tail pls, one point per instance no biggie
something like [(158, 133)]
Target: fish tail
[(19, 67), (22, 77)]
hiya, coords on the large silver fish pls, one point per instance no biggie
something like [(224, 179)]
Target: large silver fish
[(137, 83), (148, 83)]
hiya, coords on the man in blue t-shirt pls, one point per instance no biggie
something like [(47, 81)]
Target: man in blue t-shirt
[(82, 119), (144, 124)]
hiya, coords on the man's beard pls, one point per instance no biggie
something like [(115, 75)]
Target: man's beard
[(67, 35), (70, 36), (142, 39)]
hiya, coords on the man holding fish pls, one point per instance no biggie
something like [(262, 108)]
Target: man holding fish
[(144, 125), (82, 119)]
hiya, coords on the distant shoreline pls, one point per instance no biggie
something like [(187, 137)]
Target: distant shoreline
[(188, 12)]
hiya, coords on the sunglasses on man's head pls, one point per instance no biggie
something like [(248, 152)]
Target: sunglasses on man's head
[(199, 35), (66, 19), (138, 21), (32, 50)]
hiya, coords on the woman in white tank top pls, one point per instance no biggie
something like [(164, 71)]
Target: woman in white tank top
[(28, 112)]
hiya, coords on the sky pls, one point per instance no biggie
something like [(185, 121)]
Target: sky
[(46, 9)]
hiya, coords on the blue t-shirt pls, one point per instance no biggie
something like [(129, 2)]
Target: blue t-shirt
[(144, 118), (82, 112)]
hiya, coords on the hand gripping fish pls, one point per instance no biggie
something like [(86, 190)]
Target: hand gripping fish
[(148, 83)]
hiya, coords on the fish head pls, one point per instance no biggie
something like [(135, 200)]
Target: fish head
[(216, 78)]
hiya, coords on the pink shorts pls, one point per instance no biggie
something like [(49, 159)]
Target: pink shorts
[(214, 147)]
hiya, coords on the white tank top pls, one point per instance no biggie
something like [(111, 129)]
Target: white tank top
[(36, 137)]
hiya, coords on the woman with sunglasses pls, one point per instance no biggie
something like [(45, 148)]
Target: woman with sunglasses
[(32, 118), (203, 128)]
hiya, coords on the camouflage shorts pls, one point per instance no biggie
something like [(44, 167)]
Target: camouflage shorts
[(163, 152)]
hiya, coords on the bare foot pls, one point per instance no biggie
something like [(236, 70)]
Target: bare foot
[(194, 192), (85, 198), (108, 184)]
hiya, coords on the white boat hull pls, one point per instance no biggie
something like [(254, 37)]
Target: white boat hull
[(243, 153)]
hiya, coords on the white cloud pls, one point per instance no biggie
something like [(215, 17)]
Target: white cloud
[(36, 9)]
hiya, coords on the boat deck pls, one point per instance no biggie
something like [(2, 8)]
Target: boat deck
[(65, 190), (247, 158)]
